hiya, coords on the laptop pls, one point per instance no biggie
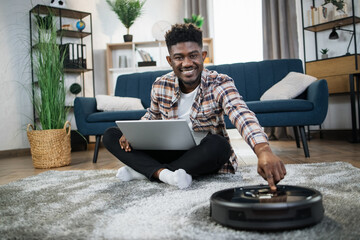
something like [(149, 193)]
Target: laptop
[(158, 134)]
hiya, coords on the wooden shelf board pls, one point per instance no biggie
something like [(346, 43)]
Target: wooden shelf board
[(148, 44), (73, 34), (77, 70), (43, 9), (129, 69), (330, 25), (327, 59), (116, 46)]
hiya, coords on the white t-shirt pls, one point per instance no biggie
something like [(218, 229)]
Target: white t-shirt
[(184, 107)]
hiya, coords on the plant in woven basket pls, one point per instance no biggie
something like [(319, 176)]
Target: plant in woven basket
[(50, 146), (128, 11), (49, 89)]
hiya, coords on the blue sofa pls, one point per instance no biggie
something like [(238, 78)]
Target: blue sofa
[(252, 79)]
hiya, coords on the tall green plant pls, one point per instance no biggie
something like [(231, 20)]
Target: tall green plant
[(49, 90), (127, 10), (45, 22)]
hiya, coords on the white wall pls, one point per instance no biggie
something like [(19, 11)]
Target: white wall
[(237, 31), (16, 108)]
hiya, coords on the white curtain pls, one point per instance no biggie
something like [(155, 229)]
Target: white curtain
[(280, 38)]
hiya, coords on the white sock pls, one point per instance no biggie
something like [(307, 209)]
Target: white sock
[(127, 174), (179, 178)]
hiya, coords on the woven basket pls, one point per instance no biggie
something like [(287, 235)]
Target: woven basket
[(50, 148)]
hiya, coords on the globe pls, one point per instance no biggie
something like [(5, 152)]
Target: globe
[(80, 25)]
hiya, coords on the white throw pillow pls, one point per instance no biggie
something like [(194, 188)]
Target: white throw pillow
[(289, 87), (112, 103)]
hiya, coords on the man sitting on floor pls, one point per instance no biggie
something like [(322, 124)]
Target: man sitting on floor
[(202, 97)]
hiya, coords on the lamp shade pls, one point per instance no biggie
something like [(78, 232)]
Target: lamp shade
[(333, 34)]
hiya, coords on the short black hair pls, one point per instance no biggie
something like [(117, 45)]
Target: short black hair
[(186, 32)]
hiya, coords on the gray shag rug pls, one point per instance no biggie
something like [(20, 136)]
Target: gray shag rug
[(96, 205)]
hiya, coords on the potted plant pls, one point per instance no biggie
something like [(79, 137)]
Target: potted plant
[(128, 11), (324, 52), (339, 4), (197, 20), (50, 143)]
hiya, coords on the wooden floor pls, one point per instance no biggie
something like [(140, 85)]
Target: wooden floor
[(321, 150)]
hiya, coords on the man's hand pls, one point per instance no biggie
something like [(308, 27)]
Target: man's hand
[(270, 167), (124, 144)]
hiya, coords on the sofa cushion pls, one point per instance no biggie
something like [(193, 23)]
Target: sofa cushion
[(116, 115), (273, 106), (252, 79), (137, 85), (291, 86), (114, 103)]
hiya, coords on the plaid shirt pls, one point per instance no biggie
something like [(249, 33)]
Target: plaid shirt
[(216, 96)]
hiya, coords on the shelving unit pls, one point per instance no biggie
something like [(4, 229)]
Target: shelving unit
[(335, 69), (341, 72), (69, 36), (116, 53)]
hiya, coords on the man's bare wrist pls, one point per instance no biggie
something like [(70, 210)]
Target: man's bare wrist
[(261, 148)]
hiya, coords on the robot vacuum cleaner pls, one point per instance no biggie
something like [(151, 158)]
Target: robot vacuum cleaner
[(258, 208)]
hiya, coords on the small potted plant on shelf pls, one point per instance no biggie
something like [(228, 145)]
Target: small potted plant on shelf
[(128, 11), (50, 143), (197, 20), (339, 4), (324, 52)]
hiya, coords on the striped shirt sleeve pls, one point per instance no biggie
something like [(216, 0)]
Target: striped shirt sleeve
[(240, 115), (153, 111)]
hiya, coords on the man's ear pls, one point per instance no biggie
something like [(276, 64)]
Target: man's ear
[(168, 58), (204, 54)]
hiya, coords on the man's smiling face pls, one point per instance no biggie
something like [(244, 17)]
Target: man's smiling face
[(187, 61)]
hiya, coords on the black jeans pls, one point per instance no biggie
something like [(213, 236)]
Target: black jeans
[(206, 158)]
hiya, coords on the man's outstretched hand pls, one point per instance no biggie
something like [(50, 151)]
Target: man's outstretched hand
[(270, 166), (124, 144)]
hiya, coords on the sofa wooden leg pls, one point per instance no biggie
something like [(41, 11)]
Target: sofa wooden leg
[(304, 141), (97, 145), (296, 134)]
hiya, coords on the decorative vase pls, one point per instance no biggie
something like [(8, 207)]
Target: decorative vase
[(75, 88), (80, 25), (58, 3), (128, 38)]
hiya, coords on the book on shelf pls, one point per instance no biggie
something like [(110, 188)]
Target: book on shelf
[(314, 16), (145, 56), (84, 56), (74, 55)]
